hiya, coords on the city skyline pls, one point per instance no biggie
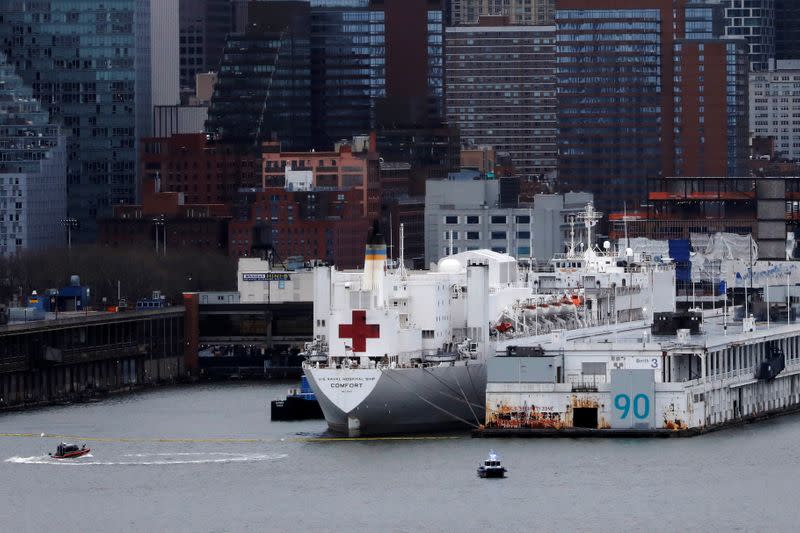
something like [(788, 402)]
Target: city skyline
[(560, 101)]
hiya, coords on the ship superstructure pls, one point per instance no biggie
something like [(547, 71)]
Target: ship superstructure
[(405, 351)]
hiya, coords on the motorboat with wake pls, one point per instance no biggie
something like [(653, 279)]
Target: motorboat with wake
[(69, 451)]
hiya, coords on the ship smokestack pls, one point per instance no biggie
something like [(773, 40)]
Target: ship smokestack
[(375, 264)]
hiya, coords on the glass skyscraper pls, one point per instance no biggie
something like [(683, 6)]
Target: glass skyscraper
[(33, 170), (88, 63), (348, 65), (263, 89), (755, 21), (787, 29), (645, 94), (204, 25), (609, 101)]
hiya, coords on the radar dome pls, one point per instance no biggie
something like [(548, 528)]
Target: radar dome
[(449, 265)]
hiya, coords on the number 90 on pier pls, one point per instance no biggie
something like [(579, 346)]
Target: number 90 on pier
[(632, 399)]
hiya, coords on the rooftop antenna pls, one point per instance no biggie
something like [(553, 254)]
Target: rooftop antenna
[(530, 237), (402, 249), (391, 246), (625, 222)]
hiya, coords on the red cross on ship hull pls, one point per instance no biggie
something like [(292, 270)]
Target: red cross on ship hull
[(359, 331)]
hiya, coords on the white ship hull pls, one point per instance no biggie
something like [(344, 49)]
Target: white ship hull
[(359, 402)]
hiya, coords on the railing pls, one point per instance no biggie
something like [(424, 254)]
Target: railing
[(586, 383)]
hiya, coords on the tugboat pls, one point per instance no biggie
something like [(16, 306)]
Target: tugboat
[(299, 404), (491, 467), (69, 451)]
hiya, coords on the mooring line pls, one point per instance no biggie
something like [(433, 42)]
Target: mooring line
[(223, 440)]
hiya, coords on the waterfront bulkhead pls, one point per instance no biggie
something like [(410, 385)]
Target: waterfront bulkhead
[(638, 379)]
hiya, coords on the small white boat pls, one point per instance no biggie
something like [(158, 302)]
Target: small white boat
[(491, 467)]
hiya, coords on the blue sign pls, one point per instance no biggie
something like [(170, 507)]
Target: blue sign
[(632, 399)]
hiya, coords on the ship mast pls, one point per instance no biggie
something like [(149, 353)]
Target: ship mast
[(402, 250), (572, 235), (590, 218)]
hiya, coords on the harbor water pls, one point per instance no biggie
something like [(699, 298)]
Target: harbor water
[(207, 458)]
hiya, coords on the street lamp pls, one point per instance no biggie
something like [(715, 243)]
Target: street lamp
[(69, 223), (159, 221)]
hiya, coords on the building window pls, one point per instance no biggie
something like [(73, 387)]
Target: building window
[(451, 219), (499, 235), (448, 234), (523, 219), (473, 219), (427, 333), (473, 235), (523, 235), (498, 219)]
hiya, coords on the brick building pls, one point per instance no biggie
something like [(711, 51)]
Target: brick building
[(351, 165), (202, 171), (317, 223), (164, 218)]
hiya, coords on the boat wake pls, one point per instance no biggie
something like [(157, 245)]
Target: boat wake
[(144, 459)]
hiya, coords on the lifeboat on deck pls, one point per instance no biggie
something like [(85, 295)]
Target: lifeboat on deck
[(502, 327)]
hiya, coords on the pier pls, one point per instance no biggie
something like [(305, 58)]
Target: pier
[(78, 356), (247, 340), (81, 355)]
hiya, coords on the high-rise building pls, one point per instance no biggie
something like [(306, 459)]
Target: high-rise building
[(33, 170), (501, 90), (364, 65), (787, 29), (710, 125), (414, 64), (88, 63), (204, 24), (536, 12), (348, 69), (755, 21), (645, 91), (775, 106), (164, 52), (410, 118), (263, 91)]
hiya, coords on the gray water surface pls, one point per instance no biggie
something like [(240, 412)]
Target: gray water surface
[(279, 477)]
